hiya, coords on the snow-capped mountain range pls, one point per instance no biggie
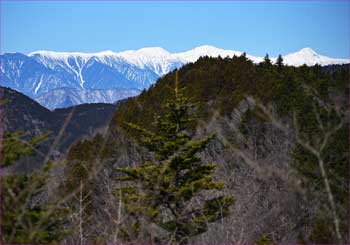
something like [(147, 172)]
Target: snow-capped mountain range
[(61, 79)]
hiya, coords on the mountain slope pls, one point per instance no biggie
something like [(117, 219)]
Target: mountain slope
[(21, 113), (262, 166), (66, 97)]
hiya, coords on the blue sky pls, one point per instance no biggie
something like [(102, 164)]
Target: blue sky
[(255, 27)]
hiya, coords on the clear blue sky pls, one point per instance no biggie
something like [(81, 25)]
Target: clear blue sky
[(255, 27)]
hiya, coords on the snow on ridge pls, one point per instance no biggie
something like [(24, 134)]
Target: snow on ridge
[(156, 58), (159, 59), (154, 51), (58, 55), (194, 54), (310, 57)]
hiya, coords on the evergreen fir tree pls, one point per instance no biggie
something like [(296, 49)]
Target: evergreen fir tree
[(279, 61), (23, 220), (243, 56), (161, 190), (267, 62)]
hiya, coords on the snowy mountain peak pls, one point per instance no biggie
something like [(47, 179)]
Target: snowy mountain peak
[(153, 51), (307, 51), (205, 50), (310, 57)]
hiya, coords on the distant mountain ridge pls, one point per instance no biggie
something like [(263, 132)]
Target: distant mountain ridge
[(62, 79), (66, 97), (22, 114)]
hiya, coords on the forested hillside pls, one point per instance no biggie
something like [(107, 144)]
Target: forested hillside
[(288, 124), (267, 144), (224, 82)]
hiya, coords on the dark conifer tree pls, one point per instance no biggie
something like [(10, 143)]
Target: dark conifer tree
[(23, 219), (266, 62), (243, 56), (279, 61), (161, 190)]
